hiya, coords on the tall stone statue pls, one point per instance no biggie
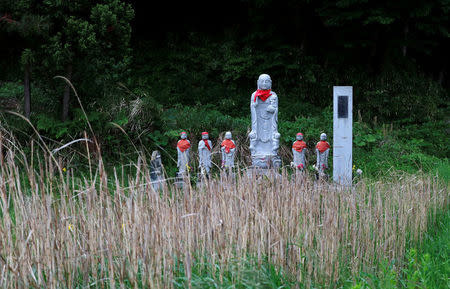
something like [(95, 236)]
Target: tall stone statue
[(183, 149), (204, 153), (322, 151), (264, 136), (228, 148), (299, 150)]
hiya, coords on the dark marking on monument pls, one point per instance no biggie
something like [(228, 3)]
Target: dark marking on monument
[(343, 106)]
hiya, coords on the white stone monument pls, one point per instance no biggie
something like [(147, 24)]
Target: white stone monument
[(264, 136), (342, 134)]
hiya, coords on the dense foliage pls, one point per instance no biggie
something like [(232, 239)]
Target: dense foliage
[(167, 70)]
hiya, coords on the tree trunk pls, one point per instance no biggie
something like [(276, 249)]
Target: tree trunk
[(27, 91), (405, 39), (66, 96), (441, 76)]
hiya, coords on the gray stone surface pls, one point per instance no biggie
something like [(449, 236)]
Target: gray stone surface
[(228, 151), (183, 154), (342, 134), (156, 171), (322, 155), (204, 154), (299, 152), (264, 136)]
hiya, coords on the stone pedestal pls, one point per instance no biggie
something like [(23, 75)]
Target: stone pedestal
[(202, 180), (180, 180)]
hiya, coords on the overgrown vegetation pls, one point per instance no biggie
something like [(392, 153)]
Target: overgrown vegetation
[(144, 74), (113, 229)]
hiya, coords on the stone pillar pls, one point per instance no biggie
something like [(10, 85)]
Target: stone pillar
[(342, 134)]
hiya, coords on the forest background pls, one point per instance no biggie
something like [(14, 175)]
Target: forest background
[(193, 66)]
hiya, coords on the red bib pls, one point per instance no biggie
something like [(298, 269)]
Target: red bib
[(262, 94), (299, 145), (228, 144), (183, 144), (322, 146), (207, 144)]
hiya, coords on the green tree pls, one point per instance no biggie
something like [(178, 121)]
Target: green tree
[(24, 18), (89, 44)]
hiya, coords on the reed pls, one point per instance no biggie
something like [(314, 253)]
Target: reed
[(58, 230)]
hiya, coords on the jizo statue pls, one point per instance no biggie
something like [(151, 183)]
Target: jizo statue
[(299, 151), (322, 151), (228, 148), (264, 136), (183, 149), (204, 153), (156, 171)]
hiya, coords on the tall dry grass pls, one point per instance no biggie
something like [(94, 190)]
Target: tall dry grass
[(60, 231)]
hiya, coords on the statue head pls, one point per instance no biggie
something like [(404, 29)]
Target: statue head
[(205, 135), (299, 136), (264, 82), (155, 155), (323, 136), (183, 135), (228, 135)]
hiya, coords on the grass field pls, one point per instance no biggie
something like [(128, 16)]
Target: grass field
[(110, 229)]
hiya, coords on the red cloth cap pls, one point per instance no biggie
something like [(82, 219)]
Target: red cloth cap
[(300, 134), (205, 132)]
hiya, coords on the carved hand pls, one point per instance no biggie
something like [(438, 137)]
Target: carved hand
[(252, 135), (271, 109)]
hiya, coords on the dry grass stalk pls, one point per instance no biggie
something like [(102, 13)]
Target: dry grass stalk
[(64, 232)]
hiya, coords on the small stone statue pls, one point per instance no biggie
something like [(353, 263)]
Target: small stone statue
[(264, 136), (228, 148), (183, 149), (204, 153), (156, 171), (322, 151), (299, 150)]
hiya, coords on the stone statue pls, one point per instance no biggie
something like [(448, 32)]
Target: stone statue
[(322, 151), (299, 151), (183, 149), (156, 171), (204, 153), (264, 136), (228, 148)]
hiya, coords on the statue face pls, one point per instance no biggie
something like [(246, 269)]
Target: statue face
[(264, 82), (183, 135), (228, 135), (299, 137), (205, 136), (323, 136)]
